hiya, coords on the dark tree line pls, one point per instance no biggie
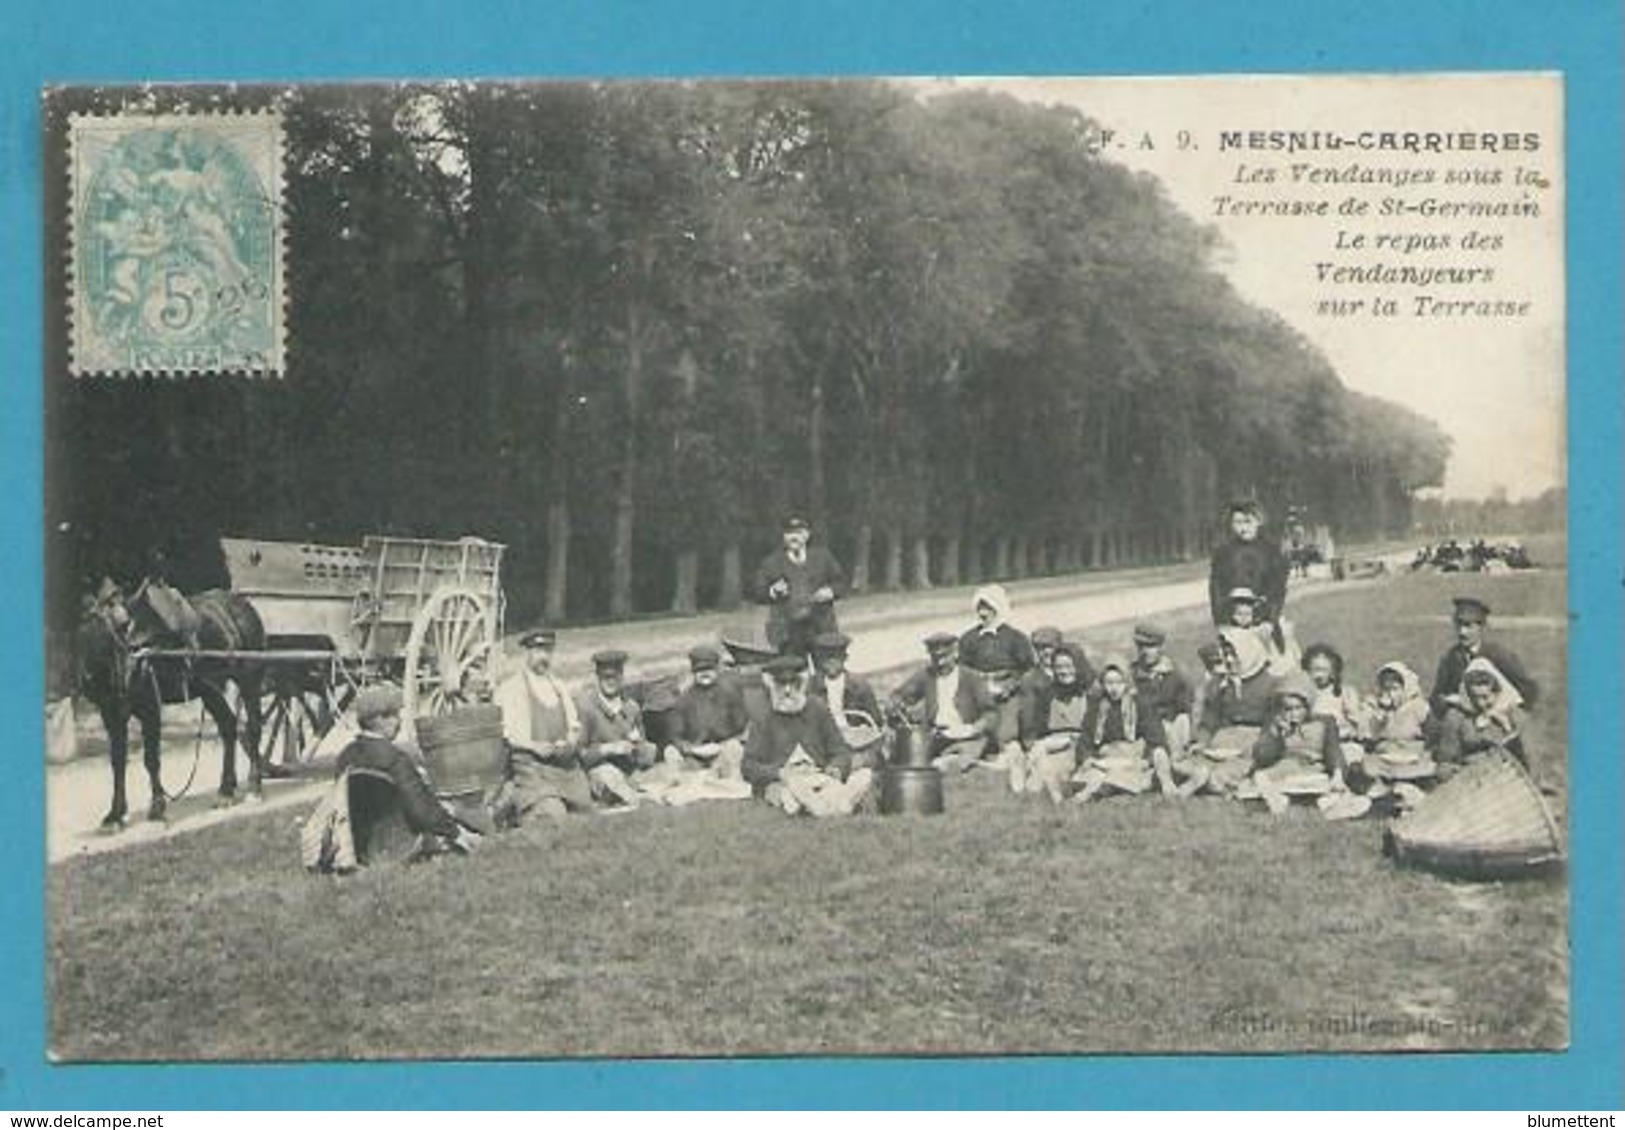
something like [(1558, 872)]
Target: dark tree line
[(625, 327)]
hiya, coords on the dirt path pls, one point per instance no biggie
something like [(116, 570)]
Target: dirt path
[(886, 629)]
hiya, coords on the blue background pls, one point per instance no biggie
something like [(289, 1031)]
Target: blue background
[(98, 40)]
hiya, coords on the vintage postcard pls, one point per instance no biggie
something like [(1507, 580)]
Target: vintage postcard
[(919, 566)]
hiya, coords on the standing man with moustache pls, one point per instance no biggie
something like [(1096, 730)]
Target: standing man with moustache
[(800, 584)]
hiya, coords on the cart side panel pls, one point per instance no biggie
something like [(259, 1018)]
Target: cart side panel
[(301, 590), (403, 573)]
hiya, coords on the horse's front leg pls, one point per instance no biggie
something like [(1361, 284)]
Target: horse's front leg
[(116, 721), (150, 712), (225, 721)]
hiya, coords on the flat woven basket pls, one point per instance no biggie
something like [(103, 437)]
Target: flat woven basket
[(1489, 821)]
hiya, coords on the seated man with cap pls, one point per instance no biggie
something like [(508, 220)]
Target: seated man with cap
[(800, 584), (614, 750), (374, 752), (851, 701), (543, 731), (1471, 618), (708, 723), (1161, 687), (795, 755), (953, 702)]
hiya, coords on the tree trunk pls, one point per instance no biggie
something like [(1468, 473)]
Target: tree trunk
[(891, 547), (620, 551), (921, 571), (861, 552), (1038, 559), (817, 478), (556, 587), (948, 570), (731, 591), (1066, 556), (555, 596), (971, 570), (685, 599), (1018, 557), (1001, 558)]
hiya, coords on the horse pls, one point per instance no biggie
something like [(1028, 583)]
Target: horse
[(114, 673)]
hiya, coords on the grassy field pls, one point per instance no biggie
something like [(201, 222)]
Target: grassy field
[(1007, 926)]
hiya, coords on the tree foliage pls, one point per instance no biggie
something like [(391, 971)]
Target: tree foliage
[(624, 327)]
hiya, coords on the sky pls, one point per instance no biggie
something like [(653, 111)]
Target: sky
[(1495, 384)]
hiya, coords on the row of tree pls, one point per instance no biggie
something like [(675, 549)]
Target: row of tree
[(1494, 516), (627, 327)]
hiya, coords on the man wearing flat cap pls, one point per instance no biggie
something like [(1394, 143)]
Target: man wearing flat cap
[(614, 750), (1471, 618), (953, 702), (849, 698), (1160, 685), (800, 584), (374, 753), (543, 731), (708, 723), (1247, 560), (796, 757)]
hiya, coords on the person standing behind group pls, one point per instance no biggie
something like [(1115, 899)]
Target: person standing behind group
[(1001, 654), (800, 584), (1245, 560)]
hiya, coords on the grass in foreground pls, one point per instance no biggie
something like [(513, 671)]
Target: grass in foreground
[(1008, 926)]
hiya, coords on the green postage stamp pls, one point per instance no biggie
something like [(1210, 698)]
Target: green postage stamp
[(176, 237)]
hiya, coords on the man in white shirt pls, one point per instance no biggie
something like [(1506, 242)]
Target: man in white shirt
[(851, 700), (543, 731), (953, 702)]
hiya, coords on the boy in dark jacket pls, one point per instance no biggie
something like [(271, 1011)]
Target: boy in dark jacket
[(378, 713), (1161, 687)]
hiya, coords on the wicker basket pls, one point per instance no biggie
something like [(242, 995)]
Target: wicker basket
[(464, 750), (1489, 821)]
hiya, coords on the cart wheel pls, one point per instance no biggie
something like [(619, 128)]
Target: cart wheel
[(452, 632), (294, 717)]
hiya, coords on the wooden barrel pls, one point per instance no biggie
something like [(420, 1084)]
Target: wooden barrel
[(464, 750)]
